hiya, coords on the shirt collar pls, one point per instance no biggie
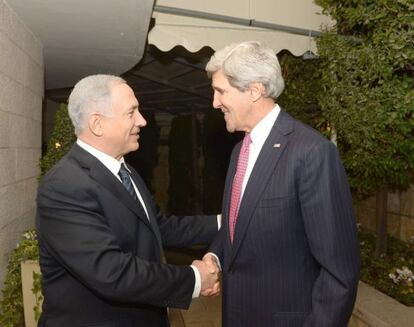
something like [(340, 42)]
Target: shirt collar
[(109, 162), (261, 131)]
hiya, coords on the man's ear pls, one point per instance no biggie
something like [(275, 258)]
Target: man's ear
[(95, 123), (256, 91)]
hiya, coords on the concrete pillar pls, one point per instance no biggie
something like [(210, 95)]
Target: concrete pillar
[(21, 94)]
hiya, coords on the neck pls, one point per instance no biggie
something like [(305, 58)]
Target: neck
[(98, 143), (260, 109)]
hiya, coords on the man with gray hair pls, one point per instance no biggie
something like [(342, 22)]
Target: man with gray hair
[(100, 233), (288, 245)]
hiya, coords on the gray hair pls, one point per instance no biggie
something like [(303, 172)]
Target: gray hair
[(92, 93), (246, 63)]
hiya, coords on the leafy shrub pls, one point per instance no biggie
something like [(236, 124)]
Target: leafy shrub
[(391, 273), (11, 307), (60, 141)]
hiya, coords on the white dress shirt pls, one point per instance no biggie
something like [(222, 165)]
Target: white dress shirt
[(258, 136)]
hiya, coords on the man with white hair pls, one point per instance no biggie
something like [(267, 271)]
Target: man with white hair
[(288, 245), (100, 233)]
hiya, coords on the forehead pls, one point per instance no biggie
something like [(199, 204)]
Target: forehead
[(123, 94), (219, 80)]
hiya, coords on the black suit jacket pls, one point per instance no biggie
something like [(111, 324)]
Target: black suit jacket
[(295, 257), (100, 257)]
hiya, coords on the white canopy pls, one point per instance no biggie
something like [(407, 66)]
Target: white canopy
[(281, 24)]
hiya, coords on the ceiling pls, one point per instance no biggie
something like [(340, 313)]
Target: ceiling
[(86, 37)]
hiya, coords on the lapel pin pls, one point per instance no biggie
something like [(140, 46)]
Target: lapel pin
[(277, 145)]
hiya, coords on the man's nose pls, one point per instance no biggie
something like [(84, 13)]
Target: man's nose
[(140, 120), (216, 102)]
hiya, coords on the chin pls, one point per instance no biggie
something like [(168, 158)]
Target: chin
[(133, 148), (230, 129)]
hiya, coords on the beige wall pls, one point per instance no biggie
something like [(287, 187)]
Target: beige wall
[(21, 93), (400, 214)]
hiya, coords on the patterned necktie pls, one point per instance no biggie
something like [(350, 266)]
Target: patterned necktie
[(238, 183), (126, 180)]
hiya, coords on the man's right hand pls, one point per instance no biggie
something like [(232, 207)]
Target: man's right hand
[(209, 277)]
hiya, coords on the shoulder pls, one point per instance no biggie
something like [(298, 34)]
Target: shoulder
[(305, 141), (67, 176), (304, 135)]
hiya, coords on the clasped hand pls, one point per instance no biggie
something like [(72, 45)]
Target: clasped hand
[(210, 275)]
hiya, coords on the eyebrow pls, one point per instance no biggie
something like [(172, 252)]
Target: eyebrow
[(217, 88), (131, 109)]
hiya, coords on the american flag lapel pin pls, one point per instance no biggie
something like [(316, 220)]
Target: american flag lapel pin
[(276, 145)]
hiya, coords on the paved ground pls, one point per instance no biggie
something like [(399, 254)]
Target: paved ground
[(203, 312)]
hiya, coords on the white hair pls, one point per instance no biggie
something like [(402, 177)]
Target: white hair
[(91, 94), (246, 63)]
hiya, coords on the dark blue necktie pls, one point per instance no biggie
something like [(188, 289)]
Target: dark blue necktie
[(126, 180)]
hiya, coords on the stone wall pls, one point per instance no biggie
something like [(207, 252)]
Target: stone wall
[(375, 309), (400, 214), (21, 94)]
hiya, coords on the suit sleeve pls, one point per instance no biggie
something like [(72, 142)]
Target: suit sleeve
[(74, 232), (187, 230), (330, 228), (181, 231)]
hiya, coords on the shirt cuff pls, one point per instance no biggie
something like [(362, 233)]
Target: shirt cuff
[(197, 284), (217, 259), (219, 221)]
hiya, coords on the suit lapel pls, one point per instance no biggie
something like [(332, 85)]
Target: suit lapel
[(104, 177), (146, 197), (272, 149), (227, 190)]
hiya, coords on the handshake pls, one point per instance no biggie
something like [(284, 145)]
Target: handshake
[(210, 275)]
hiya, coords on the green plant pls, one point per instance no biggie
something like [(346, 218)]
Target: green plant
[(60, 141), (37, 291), (11, 307), (302, 86), (367, 93)]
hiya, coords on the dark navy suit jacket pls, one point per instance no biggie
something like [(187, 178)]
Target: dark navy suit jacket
[(295, 257), (100, 256)]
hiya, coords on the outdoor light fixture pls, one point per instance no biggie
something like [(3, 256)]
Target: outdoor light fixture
[(309, 55)]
